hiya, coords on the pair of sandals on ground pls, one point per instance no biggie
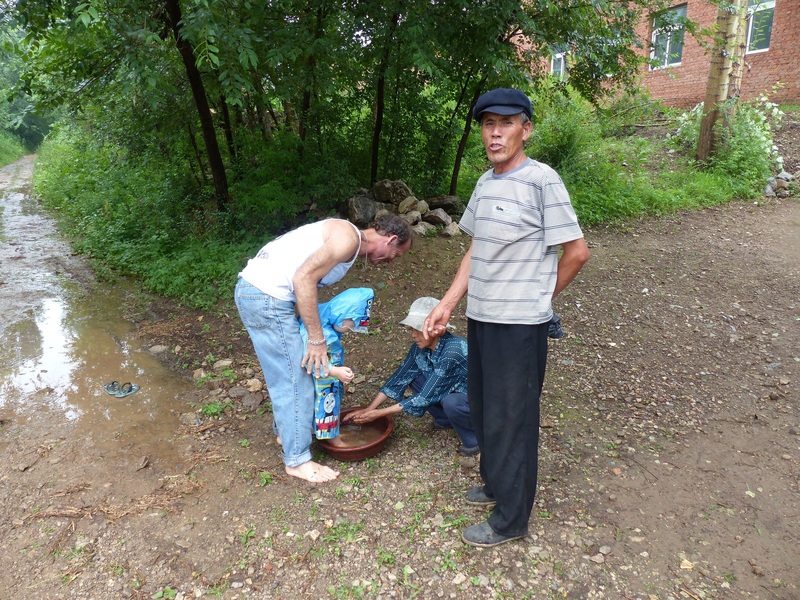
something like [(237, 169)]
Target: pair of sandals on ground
[(120, 390)]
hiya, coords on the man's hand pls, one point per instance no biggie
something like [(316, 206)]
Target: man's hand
[(315, 360), (371, 411), (364, 416), (436, 321)]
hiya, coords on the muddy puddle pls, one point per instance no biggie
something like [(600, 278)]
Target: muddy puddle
[(63, 336)]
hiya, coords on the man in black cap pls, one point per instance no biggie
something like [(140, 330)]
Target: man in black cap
[(519, 216)]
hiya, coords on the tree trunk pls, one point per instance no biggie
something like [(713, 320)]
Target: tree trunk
[(462, 144), (740, 49), (726, 56), (201, 180), (261, 107), (226, 123), (310, 91), (380, 100), (201, 101)]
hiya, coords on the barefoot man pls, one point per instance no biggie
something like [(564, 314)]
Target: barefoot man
[(281, 282)]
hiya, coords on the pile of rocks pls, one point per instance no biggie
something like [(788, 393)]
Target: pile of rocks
[(426, 217), (781, 185)]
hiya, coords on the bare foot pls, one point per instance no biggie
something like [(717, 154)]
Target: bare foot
[(278, 439), (313, 472), (337, 441)]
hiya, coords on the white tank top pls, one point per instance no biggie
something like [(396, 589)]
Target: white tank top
[(272, 269)]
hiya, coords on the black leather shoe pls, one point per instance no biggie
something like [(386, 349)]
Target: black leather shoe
[(477, 497), (554, 329), (483, 536)]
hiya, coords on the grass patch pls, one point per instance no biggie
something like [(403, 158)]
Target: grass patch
[(11, 148)]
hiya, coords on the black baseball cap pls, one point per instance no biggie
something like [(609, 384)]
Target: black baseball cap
[(502, 101)]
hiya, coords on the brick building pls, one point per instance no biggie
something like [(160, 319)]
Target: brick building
[(773, 38), (681, 75)]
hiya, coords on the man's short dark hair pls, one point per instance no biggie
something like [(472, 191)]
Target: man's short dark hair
[(388, 224)]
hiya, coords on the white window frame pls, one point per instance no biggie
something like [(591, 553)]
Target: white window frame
[(559, 58), (668, 32), (757, 6)]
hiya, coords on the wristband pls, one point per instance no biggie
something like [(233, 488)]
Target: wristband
[(313, 343)]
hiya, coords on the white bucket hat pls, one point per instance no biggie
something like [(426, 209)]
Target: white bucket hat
[(419, 311)]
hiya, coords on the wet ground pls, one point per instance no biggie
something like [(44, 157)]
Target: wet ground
[(62, 337)]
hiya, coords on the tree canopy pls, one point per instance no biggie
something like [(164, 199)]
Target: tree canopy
[(341, 93)]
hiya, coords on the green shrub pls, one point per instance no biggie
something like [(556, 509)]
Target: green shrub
[(11, 148), (276, 188), (139, 218), (687, 132), (620, 115), (565, 129), (746, 154), (141, 212)]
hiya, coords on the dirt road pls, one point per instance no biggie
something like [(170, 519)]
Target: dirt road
[(670, 449)]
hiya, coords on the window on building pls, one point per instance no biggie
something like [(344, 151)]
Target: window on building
[(667, 40), (759, 24), (558, 63)]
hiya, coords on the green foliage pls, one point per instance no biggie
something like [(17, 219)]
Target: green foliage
[(18, 112), (11, 148), (621, 115), (165, 593), (215, 408), (565, 128), (568, 137), (746, 153), (146, 214), (137, 217), (687, 132), (276, 187), (612, 176)]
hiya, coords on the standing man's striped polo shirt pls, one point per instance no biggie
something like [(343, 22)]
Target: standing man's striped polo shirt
[(514, 283)]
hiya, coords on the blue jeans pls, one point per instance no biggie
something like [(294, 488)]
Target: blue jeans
[(275, 333), (452, 411)]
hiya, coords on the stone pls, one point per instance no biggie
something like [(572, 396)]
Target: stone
[(451, 230), (408, 205), (598, 558), (437, 216), (223, 364), (362, 210), (390, 192), (413, 217), (423, 228), (254, 385), (237, 392), (190, 419), (451, 204), (252, 400)]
